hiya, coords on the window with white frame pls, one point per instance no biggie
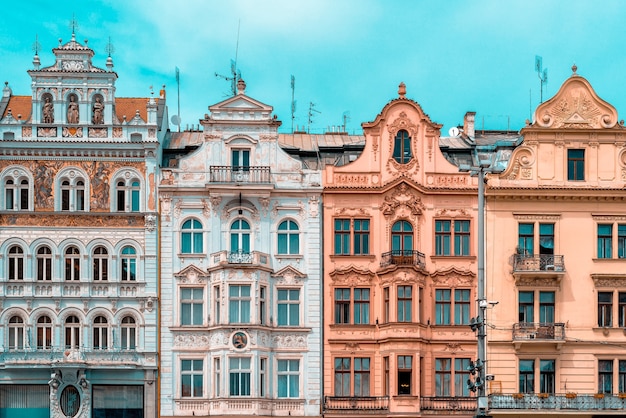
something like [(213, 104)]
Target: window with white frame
[(240, 237), (217, 377), (263, 305), (288, 378), (128, 329), (16, 194), (127, 193), (217, 304), (100, 333), (191, 237), (72, 263), (44, 333), (191, 306), (262, 376), (128, 264), (239, 304), (16, 333), (44, 263), (16, 263), (100, 264), (239, 376), (72, 332), (73, 191), (289, 307), (288, 238), (192, 378)]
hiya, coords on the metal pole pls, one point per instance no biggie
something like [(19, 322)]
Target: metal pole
[(482, 302)]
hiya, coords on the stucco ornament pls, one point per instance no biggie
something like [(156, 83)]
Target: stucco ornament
[(402, 123)]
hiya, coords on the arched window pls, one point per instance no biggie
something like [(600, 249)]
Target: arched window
[(127, 195), (100, 263), (73, 194), (240, 237), (44, 263), (402, 147), (129, 333), (16, 194), (16, 263), (72, 332), (72, 264), (16, 333), (129, 264), (288, 238), (44, 333), (191, 240), (100, 333), (402, 238)]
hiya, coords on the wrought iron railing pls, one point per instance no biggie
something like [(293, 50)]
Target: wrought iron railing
[(539, 331), (448, 403), (239, 174), (560, 401), (356, 403), (538, 262), (402, 258)]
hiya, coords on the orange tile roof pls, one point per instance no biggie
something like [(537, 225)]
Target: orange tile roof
[(19, 105)]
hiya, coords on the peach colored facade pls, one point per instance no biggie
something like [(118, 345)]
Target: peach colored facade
[(556, 262), (386, 339)]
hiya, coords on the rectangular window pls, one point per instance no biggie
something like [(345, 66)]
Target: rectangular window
[(442, 306), (386, 303), (262, 305), (605, 309), (622, 376), (342, 306), (262, 377), (191, 305), (342, 236), (239, 304), (405, 374), (461, 238), (622, 309), (525, 239), (288, 378), (605, 376), (386, 376), (443, 235), (576, 164), (342, 376), (605, 240), (547, 379), (217, 377), (461, 374), (191, 376), (362, 376), (546, 307), (527, 376), (461, 306), (361, 236), (361, 306), (217, 303), (621, 241), (546, 241), (289, 307), (241, 159), (239, 376), (443, 376), (405, 302), (526, 307)]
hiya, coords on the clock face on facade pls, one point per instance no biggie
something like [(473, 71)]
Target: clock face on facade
[(240, 340)]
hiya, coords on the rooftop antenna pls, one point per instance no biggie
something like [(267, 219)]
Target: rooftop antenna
[(235, 74), (542, 73), (311, 111), (176, 118), (346, 118), (73, 24), (293, 101)]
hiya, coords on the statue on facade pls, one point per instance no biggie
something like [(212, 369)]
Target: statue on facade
[(72, 111), (98, 112), (48, 111)]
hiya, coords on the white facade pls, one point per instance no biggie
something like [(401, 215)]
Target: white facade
[(240, 271)]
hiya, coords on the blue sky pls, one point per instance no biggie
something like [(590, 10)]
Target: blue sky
[(347, 56)]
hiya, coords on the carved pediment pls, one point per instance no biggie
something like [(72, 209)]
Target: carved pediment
[(352, 275), (192, 274), (288, 274), (453, 277), (402, 197), (612, 281), (575, 106)]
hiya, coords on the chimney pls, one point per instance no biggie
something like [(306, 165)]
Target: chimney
[(468, 124)]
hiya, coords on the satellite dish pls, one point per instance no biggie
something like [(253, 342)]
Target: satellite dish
[(175, 120), (454, 131)]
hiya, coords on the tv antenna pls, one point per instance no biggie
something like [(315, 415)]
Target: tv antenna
[(345, 117), (312, 110), (293, 101), (235, 73), (542, 73)]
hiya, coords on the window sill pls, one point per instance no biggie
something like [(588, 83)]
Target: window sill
[(370, 257), (456, 257), (289, 256), (192, 255)]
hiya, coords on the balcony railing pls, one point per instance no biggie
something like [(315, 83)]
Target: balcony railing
[(402, 258), (239, 174), (252, 258), (538, 263), (523, 331), (356, 403), (561, 402), (448, 403)]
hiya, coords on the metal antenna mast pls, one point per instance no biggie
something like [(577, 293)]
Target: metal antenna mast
[(235, 74), (293, 101), (542, 73), (311, 111)]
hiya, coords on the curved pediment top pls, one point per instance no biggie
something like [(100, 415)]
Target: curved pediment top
[(575, 106)]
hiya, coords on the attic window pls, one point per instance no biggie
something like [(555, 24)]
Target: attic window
[(135, 137), (402, 147), (8, 135)]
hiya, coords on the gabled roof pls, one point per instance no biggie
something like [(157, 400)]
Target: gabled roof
[(19, 105)]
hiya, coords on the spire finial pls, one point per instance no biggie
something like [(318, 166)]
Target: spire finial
[(402, 90), (36, 45), (574, 68), (73, 24), (109, 49)]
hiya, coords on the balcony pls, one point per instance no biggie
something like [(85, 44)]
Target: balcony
[(538, 267), (241, 406), (239, 174), (538, 332), (403, 258), (448, 403), (548, 402), (356, 403), (28, 357), (240, 258)]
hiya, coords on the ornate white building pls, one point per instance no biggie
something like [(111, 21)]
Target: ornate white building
[(240, 270), (78, 243)]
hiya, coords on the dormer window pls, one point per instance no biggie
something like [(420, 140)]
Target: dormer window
[(402, 147)]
